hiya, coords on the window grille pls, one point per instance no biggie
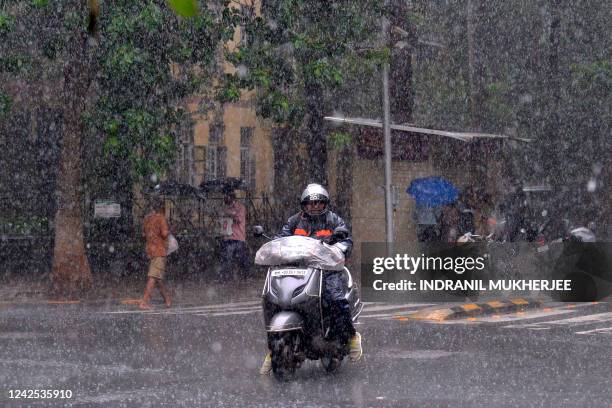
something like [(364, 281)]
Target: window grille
[(247, 157)]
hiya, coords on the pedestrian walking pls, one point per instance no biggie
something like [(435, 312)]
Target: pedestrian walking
[(156, 231), (234, 253), (426, 219)]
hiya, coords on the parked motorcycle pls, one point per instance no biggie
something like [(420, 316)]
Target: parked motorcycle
[(294, 314)]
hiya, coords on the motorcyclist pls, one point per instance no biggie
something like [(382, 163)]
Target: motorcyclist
[(316, 221)]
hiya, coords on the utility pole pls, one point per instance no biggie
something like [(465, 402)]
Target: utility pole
[(387, 135)]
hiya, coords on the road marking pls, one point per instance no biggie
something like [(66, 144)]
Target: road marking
[(470, 306), (63, 302), (496, 304), (256, 310), (247, 307), (202, 311), (192, 309), (396, 306), (572, 321), (399, 310), (604, 330)]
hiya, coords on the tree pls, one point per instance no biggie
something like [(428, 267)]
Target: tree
[(70, 270), (297, 55), (122, 71)]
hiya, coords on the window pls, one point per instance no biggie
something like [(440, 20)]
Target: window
[(247, 12), (199, 163), (247, 159), (246, 136), (185, 163), (216, 154), (215, 131), (216, 162)]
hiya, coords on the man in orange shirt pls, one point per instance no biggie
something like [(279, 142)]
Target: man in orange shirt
[(156, 231)]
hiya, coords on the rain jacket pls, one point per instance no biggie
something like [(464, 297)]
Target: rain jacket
[(320, 226)]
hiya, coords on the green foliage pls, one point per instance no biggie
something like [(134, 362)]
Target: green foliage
[(120, 25), (14, 63), (6, 22), (146, 59), (298, 51), (151, 17), (150, 59), (340, 140), (6, 103), (24, 225), (415, 18), (40, 3), (125, 59), (592, 77), (230, 91), (184, 8), (323, 71), (73, 20)]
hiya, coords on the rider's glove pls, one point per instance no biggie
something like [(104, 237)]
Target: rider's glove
[(342, 246)]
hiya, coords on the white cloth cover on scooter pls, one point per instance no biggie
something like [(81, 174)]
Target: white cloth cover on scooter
[(302, 250)]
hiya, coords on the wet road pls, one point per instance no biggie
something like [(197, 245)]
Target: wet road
[(208, 355)]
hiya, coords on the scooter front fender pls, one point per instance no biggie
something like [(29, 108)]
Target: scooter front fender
[(285, 321)]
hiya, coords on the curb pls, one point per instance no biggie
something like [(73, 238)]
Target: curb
[(58, 302), (129, 294), (476, 309)]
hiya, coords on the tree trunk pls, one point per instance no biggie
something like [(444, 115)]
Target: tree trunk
[(71, 273)]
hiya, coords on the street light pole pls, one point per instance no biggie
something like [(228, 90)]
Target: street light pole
[(387, 137)]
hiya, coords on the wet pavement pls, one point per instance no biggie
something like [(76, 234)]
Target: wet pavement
[(206, 351)]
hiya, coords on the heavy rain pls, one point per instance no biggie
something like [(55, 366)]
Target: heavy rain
[(278, 203)]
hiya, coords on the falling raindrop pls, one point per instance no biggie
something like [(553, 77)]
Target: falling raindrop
[(242, 70), (591, 185)]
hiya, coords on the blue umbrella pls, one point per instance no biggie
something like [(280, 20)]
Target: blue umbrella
[(433, 191)]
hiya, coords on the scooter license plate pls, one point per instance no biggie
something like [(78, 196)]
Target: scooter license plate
[(288, 272), (543, 248)]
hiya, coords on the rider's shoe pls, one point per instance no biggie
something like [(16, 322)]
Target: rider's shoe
[(266, 367), (355, 350)]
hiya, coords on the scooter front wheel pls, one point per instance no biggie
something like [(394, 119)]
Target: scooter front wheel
[(330, 364), (284, 362)]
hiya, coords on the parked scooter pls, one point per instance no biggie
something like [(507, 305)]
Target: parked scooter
[(296, 323)]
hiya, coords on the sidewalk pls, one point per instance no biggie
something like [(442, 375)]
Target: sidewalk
[(185, 292)]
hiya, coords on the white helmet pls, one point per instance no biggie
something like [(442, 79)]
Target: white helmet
[(314, 192)]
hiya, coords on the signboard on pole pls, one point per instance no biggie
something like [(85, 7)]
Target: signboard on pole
[(107, 209)]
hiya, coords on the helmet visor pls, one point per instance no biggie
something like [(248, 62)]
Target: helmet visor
[(315, 207)]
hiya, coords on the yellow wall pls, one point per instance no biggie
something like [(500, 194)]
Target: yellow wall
[(368, 199), (235, 116)]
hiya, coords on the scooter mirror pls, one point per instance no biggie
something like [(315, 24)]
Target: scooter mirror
[(258, 230)]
